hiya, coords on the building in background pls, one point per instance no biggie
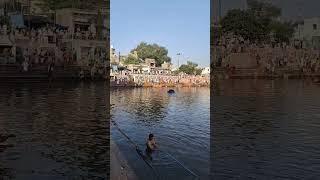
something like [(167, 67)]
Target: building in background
[(81, 28), (309, 32), (89, 29), (32, 6), (206, 71), (114, 58)]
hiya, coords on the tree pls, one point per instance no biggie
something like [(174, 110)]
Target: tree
[(4, 20), (245, 24), (263, 9), (257, 22), (175, 72), (153, 51), (198, 71), (131, 60), (190, 68), (282, 32)]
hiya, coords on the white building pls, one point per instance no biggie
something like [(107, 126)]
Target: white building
[(205, 71), (309, 32), (114, 59)]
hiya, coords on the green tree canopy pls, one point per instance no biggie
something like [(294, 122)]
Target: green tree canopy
[(257, 22), (131, 60), (190, 68), (153, 51), (263, 9), (5, 20), (245, 24), (282, 32)]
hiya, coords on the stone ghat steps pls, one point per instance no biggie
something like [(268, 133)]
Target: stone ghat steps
[(260, 74), (122, 84), (41, 72)]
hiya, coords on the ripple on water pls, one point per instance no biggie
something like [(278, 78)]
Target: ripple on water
[(266, 130), (61, 132), (180, 124)]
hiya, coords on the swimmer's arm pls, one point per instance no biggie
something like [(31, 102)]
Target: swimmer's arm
[(150, 145), (155, 145)]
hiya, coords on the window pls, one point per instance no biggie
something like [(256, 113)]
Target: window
[(314, 26)]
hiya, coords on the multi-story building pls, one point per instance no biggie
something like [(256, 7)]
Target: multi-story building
[(205, 71), (114, 58), (81, 18), (25, 6), (309, 32), (150, 62), (81, 23)]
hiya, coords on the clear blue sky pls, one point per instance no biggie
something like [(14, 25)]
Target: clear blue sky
[(179, 25)]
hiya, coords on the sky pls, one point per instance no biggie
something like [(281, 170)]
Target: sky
[(291, 9), (182, 26)]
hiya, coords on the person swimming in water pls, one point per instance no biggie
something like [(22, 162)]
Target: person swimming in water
[(151, 145)]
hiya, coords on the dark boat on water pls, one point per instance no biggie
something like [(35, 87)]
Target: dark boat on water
[(171, 91)]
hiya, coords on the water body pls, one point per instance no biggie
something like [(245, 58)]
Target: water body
[(60, 132), (266, 129), (180, 123)]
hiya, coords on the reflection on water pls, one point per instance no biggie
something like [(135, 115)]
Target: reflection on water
[(61, 132), (266, 129), (179, 121)]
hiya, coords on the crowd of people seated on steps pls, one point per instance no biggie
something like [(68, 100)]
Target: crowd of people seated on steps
[(52, 33), (269, 56), (36, 52)]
